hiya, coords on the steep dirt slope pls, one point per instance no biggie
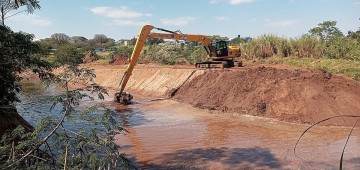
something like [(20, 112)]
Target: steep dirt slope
[(295, 95), (146, 80)]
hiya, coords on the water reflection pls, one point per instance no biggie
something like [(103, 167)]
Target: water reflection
[(127, 113), (214, 158)]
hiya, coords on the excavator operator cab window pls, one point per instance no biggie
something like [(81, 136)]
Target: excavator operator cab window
[(221, 49)]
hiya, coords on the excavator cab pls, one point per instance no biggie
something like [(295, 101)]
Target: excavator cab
[(221, 48)]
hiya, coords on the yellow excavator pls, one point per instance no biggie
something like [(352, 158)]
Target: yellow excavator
[(219, 55)]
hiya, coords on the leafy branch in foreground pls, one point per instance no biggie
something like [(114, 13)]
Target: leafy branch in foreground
[(348, 137), (73, 140)]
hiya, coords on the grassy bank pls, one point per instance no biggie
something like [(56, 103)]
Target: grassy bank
[(350, 68)]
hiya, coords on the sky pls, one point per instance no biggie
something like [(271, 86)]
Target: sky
[(122, 19)]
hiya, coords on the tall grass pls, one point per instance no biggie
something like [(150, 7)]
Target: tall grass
[(305, 46)]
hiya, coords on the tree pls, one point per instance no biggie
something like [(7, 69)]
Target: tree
[(16, 54), (56, 145), (152, 41), (52, 144), (16, 51), (100, 38), (60, 39), (326, 31), (79, 41), (355, 34), (68, 54), (8, 5)]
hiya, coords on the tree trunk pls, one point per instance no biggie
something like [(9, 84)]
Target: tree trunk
[(10, 119), (2, 16)]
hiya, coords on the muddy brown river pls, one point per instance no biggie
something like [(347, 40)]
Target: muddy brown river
[(165, 134), (171, 135)]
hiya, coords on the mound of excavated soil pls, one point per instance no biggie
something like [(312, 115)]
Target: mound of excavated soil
[(295, 95), (89, 57), (120, 59)]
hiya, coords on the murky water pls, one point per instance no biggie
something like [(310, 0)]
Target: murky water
[(165, 134), (171, 135)]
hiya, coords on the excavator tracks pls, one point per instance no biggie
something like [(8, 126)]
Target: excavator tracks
[(218, 64), (211, 64)]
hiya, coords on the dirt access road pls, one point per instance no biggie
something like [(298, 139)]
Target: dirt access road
[(275, 91)]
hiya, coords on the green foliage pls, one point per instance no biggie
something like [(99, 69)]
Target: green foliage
[(266, 46), (59, 39), (198, 54), (174, 53), (88, 144), (347, 67), (326, 31), (344, 48), (307, 46), (326, 40), (153, 41), (17, 54), (68, 54), (127, 50), (8, 5)]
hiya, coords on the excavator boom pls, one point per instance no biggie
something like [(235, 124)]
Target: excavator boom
[(145, 32)]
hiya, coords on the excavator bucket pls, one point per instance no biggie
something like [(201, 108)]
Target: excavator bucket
[(123, 98)]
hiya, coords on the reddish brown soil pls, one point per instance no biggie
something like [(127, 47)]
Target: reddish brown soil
[(120, 59), (281, 92), (89, 57)]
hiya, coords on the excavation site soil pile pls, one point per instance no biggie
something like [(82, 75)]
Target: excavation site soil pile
[(120, 59), (294, 95)]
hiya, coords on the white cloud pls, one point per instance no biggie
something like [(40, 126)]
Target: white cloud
[(236, 2), (130, 23), (215, 1), (180, 21), (121, 12), (286, 23), (357, 3), (31, 19), (220, 18)]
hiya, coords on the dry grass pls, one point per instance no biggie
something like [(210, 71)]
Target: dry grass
[(350, 68)]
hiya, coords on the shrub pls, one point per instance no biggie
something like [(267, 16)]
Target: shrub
[(68, 54), (307, 46)]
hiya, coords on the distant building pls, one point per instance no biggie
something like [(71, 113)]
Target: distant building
[(125, 42)]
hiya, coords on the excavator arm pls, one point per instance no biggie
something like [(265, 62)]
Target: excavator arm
[(145, 32)]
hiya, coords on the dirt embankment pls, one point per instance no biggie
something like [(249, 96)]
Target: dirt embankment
[(146, 80), (281, 92), (295, 95)]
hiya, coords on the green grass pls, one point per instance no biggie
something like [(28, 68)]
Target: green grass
[(337, 66)]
